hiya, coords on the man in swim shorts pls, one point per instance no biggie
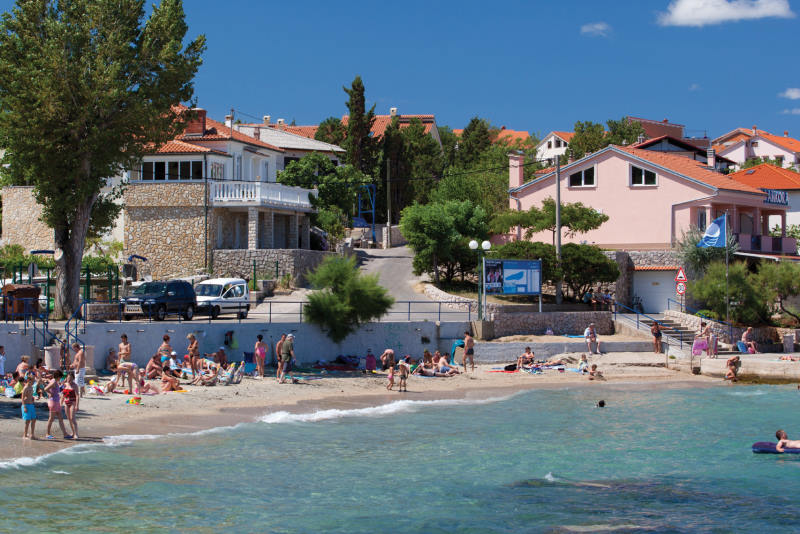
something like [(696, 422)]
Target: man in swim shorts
[(469, 351), (79, 364), (590, 336), (28, 408), (784, 442)]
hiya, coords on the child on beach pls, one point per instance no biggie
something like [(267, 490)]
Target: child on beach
[(69, 399), (404, 369), (54, 405), (594, 374), (390, 379), (583, 365), (28, 409), (260, 355)]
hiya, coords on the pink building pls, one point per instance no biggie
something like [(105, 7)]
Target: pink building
[(651, 198)]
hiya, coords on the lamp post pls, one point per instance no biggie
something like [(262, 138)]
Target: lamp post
[(484, 248)]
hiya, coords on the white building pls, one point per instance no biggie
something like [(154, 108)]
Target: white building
[(553, 145), (743, 144)]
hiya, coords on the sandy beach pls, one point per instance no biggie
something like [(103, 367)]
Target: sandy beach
[(104, 417)]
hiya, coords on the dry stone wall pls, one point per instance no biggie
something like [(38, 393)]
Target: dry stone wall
[(165, 224), (21, 224), (561, 323), (239, 262)]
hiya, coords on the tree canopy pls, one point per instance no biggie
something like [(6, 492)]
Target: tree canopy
[(331, 130), (360, 146), (576, 218), (86, 88), (590, 137)]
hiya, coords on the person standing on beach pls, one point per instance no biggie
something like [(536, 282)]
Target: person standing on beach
[(278, 353), (403, 368), (54, 405), (656, 331), (469, 351), (387, 359), (165, 349), (287, 355), (28, 408), (79, 365), (260, 353), (69, 399), (194, 354), (2, 361)]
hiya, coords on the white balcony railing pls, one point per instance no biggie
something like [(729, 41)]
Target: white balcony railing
[(259, 193)]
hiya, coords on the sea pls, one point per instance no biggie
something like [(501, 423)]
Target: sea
[(655, 459)]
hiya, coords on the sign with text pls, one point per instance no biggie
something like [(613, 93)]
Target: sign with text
[(777, 197), (512, 277), (680, 288)]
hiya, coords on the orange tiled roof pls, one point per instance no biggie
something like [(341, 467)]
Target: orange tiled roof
[(789, 143), (656, 268), (503, 134), (739, 134), (768, 176), (383, 121), (217, 131), (690, 168), (177, 146), (566, 136)]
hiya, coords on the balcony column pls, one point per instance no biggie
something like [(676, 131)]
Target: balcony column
[(735, 219), (757, 226), (267, 230), (783, 224), (305, 232), (709, 215), (252, 228), (293, 231)]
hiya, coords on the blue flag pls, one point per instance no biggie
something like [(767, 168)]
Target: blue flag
[(716, 234)]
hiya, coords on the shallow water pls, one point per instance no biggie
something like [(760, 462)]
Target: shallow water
[(672, 460)]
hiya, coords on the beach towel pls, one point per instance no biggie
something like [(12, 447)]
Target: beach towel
[(578, 336)]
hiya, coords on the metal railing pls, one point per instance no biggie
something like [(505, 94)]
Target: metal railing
[(676, 340), (268, 192), (683, 309), (26, 310)]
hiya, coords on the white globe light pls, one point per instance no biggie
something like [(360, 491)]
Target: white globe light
[(486, 245), (473, 244)]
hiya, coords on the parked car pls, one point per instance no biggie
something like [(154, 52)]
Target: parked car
[(223, 295), (157, 299)]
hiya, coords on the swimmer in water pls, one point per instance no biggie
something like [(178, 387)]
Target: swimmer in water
[(784, 442), (601, 404)]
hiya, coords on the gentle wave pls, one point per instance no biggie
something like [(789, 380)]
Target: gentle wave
[(57, 472), (395, 407)]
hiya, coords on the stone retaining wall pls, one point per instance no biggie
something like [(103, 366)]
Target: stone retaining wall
[(763, 335), (239, 262), (21, 224), (573, 323)]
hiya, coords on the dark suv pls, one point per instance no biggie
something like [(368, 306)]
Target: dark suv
[(157, 299)]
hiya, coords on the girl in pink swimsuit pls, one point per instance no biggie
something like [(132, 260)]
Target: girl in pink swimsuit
[(261, 355), (54, 403), (71, 402)]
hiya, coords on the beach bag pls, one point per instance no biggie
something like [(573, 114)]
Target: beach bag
[(510, 367)]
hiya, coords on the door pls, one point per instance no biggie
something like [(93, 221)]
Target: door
[(654, 288)]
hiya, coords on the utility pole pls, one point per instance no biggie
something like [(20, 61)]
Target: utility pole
[(388, 204), (559, 295)]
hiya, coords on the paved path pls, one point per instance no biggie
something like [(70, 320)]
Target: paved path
[(393, 266)]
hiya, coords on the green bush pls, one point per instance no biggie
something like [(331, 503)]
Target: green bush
[(345, 299), (528, 250), (583, 266), (748, 303)]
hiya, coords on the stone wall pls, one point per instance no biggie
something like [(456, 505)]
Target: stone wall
[(628, 260), (764, 335), (165, 224), (239, 263), (534, 323), (21, 224)]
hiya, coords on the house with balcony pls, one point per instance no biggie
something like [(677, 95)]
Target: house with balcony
[(781, 185), (209, 199), (743, 144), (651, 198)]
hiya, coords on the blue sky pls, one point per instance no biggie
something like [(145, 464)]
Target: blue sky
[(712, 65)]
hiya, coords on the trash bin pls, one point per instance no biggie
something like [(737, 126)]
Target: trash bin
[(20, 300)]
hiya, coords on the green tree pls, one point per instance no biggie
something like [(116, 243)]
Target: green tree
[(792, 230), (475, 140), (576, 218), (778, 282), (484, 183), (585, 265), (331, 130), (747, 302), (752, 162), (697, 259), (86, 88), (439, 234), (425, 161), (360, 146), (530, 250), (589, 137), (345, 298), (623, 132), (449, 145)]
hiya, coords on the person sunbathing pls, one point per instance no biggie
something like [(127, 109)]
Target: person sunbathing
[(144, 386), (169, 382), (554, 362), (526, 358), (153, 369), (445, 369)]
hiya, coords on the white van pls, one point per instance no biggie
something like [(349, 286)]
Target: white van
[(223, 295)]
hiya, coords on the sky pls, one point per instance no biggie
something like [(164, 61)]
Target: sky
[(711, 65)]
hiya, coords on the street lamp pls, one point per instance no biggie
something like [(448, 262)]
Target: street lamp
[(484, 248)]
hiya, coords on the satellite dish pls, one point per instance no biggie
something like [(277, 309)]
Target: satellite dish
[(58, 254)]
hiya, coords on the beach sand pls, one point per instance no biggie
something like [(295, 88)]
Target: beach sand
[(200, 408)]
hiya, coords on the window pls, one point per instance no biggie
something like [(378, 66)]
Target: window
[(558, 143), (185, 172), (549, 144), (160, 170), (754, 144), (237, 172), (266, 172), (172, 170), (147, 170), (701, 219), (584, 178), (779, 160), (217, 171), (642, 177), (197, 170)]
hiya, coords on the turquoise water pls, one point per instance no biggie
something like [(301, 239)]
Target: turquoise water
[(671, 460)]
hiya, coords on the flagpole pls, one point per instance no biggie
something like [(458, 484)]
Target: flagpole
[(727, 298)]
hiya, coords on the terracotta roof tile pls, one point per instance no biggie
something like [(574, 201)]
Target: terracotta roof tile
[(690, 168), (768, 176), (217, 131), (503, 134), (789, 143), (383, 121), (656, 268), (179, 147), (566, 136)]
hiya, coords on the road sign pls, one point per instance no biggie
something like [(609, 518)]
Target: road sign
[(680, 288), (681, 276)]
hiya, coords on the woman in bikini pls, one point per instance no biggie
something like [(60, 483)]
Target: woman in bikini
[(168, 382), (69, 399), (54, 405), (194, 354), (260, 355), (165, 349)]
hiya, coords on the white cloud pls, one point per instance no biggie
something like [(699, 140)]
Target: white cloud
[(596, 29), (702, 12), (792, 93), (793, 111), (694, 87)]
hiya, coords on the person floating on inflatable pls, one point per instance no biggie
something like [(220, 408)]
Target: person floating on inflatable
[(784, 442)]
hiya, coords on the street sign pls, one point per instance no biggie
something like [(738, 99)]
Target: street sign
[(680, 288), (681, 276)]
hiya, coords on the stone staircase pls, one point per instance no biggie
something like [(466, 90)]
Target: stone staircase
[(673, 329)]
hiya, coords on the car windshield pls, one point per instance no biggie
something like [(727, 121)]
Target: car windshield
[(151, 288), (208, 290)]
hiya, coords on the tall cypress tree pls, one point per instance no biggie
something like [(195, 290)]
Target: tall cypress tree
[(359, 144)]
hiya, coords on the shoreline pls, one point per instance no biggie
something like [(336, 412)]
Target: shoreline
[(108, 420)]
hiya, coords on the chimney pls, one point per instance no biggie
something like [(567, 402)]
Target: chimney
[(228, 120), (640, 139), (665, 121), (711, 155), (755, 130), (516, 171), (281, 124), (266, 120), (197, 124), (393, 112), (786, 133)]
